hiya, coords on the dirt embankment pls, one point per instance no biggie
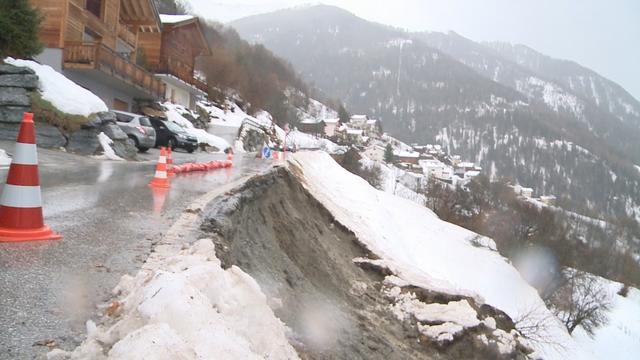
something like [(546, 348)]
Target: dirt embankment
[(303, 259)]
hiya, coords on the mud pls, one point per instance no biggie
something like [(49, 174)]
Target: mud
[(302, 258)]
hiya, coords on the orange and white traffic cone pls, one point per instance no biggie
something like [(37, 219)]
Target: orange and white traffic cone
[(229, 162), (170, 170), (160, 177), (21, 204)]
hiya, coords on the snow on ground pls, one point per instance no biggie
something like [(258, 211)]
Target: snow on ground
[(233, 116), (396, 181), (108, 153), (186, 306), (63, 93), (620, 337), (637, 168), (174, 112), (5, 159), (427, 252), (306, 141)]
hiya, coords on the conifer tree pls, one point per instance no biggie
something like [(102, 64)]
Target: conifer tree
[(19, 25)]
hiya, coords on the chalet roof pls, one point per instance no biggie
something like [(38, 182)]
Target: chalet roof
[(141, 13), (331, 121), (359, 117), (406, 154), (174, 21)]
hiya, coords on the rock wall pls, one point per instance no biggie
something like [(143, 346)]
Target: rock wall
[(16, 84)]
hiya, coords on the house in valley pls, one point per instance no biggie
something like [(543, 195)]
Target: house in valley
[(330, 126), (96, 44), (172, 56), (312, 126)]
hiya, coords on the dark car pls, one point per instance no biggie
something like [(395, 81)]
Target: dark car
[(172, 135)]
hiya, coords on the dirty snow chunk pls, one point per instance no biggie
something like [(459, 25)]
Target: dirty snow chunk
[(505, 341), (442, 332), (427, 252), (155, 341), (5, 160), (183, 305), (63, 93), (108, 153)]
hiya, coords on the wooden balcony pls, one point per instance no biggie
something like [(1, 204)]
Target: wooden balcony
[(182, 71), (95, 56)]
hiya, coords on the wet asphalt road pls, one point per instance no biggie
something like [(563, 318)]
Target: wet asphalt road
[(109, 219)]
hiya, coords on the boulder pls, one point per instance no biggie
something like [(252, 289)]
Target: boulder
[(12, 114), (125, 148), (14, 96), (49, 136), (9, 131), (84, 141), (114, 132), (26, 81), (10, 69)]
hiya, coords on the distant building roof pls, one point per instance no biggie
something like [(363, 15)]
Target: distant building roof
[(372, 122), (359, 117), (331, 121), (466, 165), (410, 154), (354, 131), (310, 121)]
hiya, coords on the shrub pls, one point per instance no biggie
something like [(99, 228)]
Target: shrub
[(19, 25), (44, 111)]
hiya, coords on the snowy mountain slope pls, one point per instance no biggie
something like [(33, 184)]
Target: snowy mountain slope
[(586, 83), (424, 251), (424, 95)]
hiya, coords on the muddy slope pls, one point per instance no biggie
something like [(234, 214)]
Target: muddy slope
[(302, 258)]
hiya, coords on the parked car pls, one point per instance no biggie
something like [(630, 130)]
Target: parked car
[(138, 128), (173, 135)]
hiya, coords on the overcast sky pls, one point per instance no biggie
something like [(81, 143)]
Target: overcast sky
[(603, 35)]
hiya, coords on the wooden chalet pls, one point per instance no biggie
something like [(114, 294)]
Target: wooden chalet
[(96, 44), (172, 56)]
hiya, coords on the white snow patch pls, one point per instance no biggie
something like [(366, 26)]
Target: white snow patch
[(306, 141), (173, 113), (63, 93), (108, 153), (172, 19), (5, 159), (421, 249), (620, 337)]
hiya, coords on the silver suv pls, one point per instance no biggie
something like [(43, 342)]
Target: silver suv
[(138, 128)]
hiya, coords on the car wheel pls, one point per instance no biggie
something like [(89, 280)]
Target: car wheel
[(191, 150), (135, 141)]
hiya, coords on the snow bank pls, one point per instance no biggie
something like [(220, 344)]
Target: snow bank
[(108, 153), (233, 116), (187, 307), (174, 112), (427, 252), (306, 141), (620, 337), (63, 93), (5, 160)]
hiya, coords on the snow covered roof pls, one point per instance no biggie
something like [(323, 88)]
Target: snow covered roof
[(331, 121), (411, 154), (310, 121), (472, 173), (359, 117), (354, 131), (372, 122), (466, 165), (174, 19)]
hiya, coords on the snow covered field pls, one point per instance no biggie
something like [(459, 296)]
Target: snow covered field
[(426, 252), (63, 93), (306, 141), (620, 337)]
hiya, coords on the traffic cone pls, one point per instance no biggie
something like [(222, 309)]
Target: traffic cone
[(229, 161), (160, 178), (170, 170), (275, 155), (21, 205)]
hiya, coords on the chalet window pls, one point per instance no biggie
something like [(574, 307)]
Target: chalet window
[(95, 7)]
